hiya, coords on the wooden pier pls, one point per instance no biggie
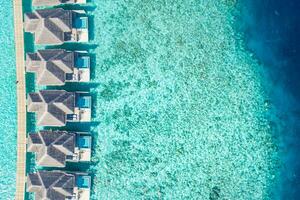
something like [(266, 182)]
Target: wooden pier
[(21, 100)]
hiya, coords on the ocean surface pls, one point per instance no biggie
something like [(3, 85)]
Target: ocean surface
[(181, 109), (192, 99), (8, 117), (272, 31)]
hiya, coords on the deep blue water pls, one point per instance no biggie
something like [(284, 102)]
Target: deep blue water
[(272, 33)]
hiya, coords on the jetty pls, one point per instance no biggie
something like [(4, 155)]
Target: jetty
[(62, 106), (21, 100)]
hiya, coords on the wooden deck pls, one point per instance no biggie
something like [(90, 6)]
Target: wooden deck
[(21, 100)]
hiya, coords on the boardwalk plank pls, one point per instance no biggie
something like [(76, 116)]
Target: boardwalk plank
[(21, 100)]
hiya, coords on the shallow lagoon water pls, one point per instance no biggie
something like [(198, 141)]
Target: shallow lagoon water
[(8, 104), (180, 111), (180, 108)]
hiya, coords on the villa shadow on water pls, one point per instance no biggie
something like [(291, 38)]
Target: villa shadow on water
[(27, 5), (29, 42), (74, 46), (85, 7), (30, 82), (75, 86), (93, 65), (91, 27)]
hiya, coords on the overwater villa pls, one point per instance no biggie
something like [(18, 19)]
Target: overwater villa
[(59, 185), (58, 66), (55, 148), (56, 2), (56, 26), (57, 107)]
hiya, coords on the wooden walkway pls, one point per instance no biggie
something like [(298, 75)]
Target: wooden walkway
[(21, 100)]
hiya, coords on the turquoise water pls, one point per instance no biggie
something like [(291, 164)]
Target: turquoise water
[(180, 106), (83, 102), (180, 109), (81, 22), (84, 141), (83, 181), (83, 62), (8, 104)]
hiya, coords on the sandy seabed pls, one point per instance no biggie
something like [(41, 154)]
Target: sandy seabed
[(179, 104)]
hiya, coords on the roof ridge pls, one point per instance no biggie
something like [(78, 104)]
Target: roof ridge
[(67, 140), (40, 52), (66, 99), (45, 69), (58, 138), (69, 179), (44, 28), (41, 73), (40, 178), (51, 145), (55, 26), (56, 108), (40, 136), (54, 19), (62, 187), (44, 113), (62, 92), (53, 184)]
